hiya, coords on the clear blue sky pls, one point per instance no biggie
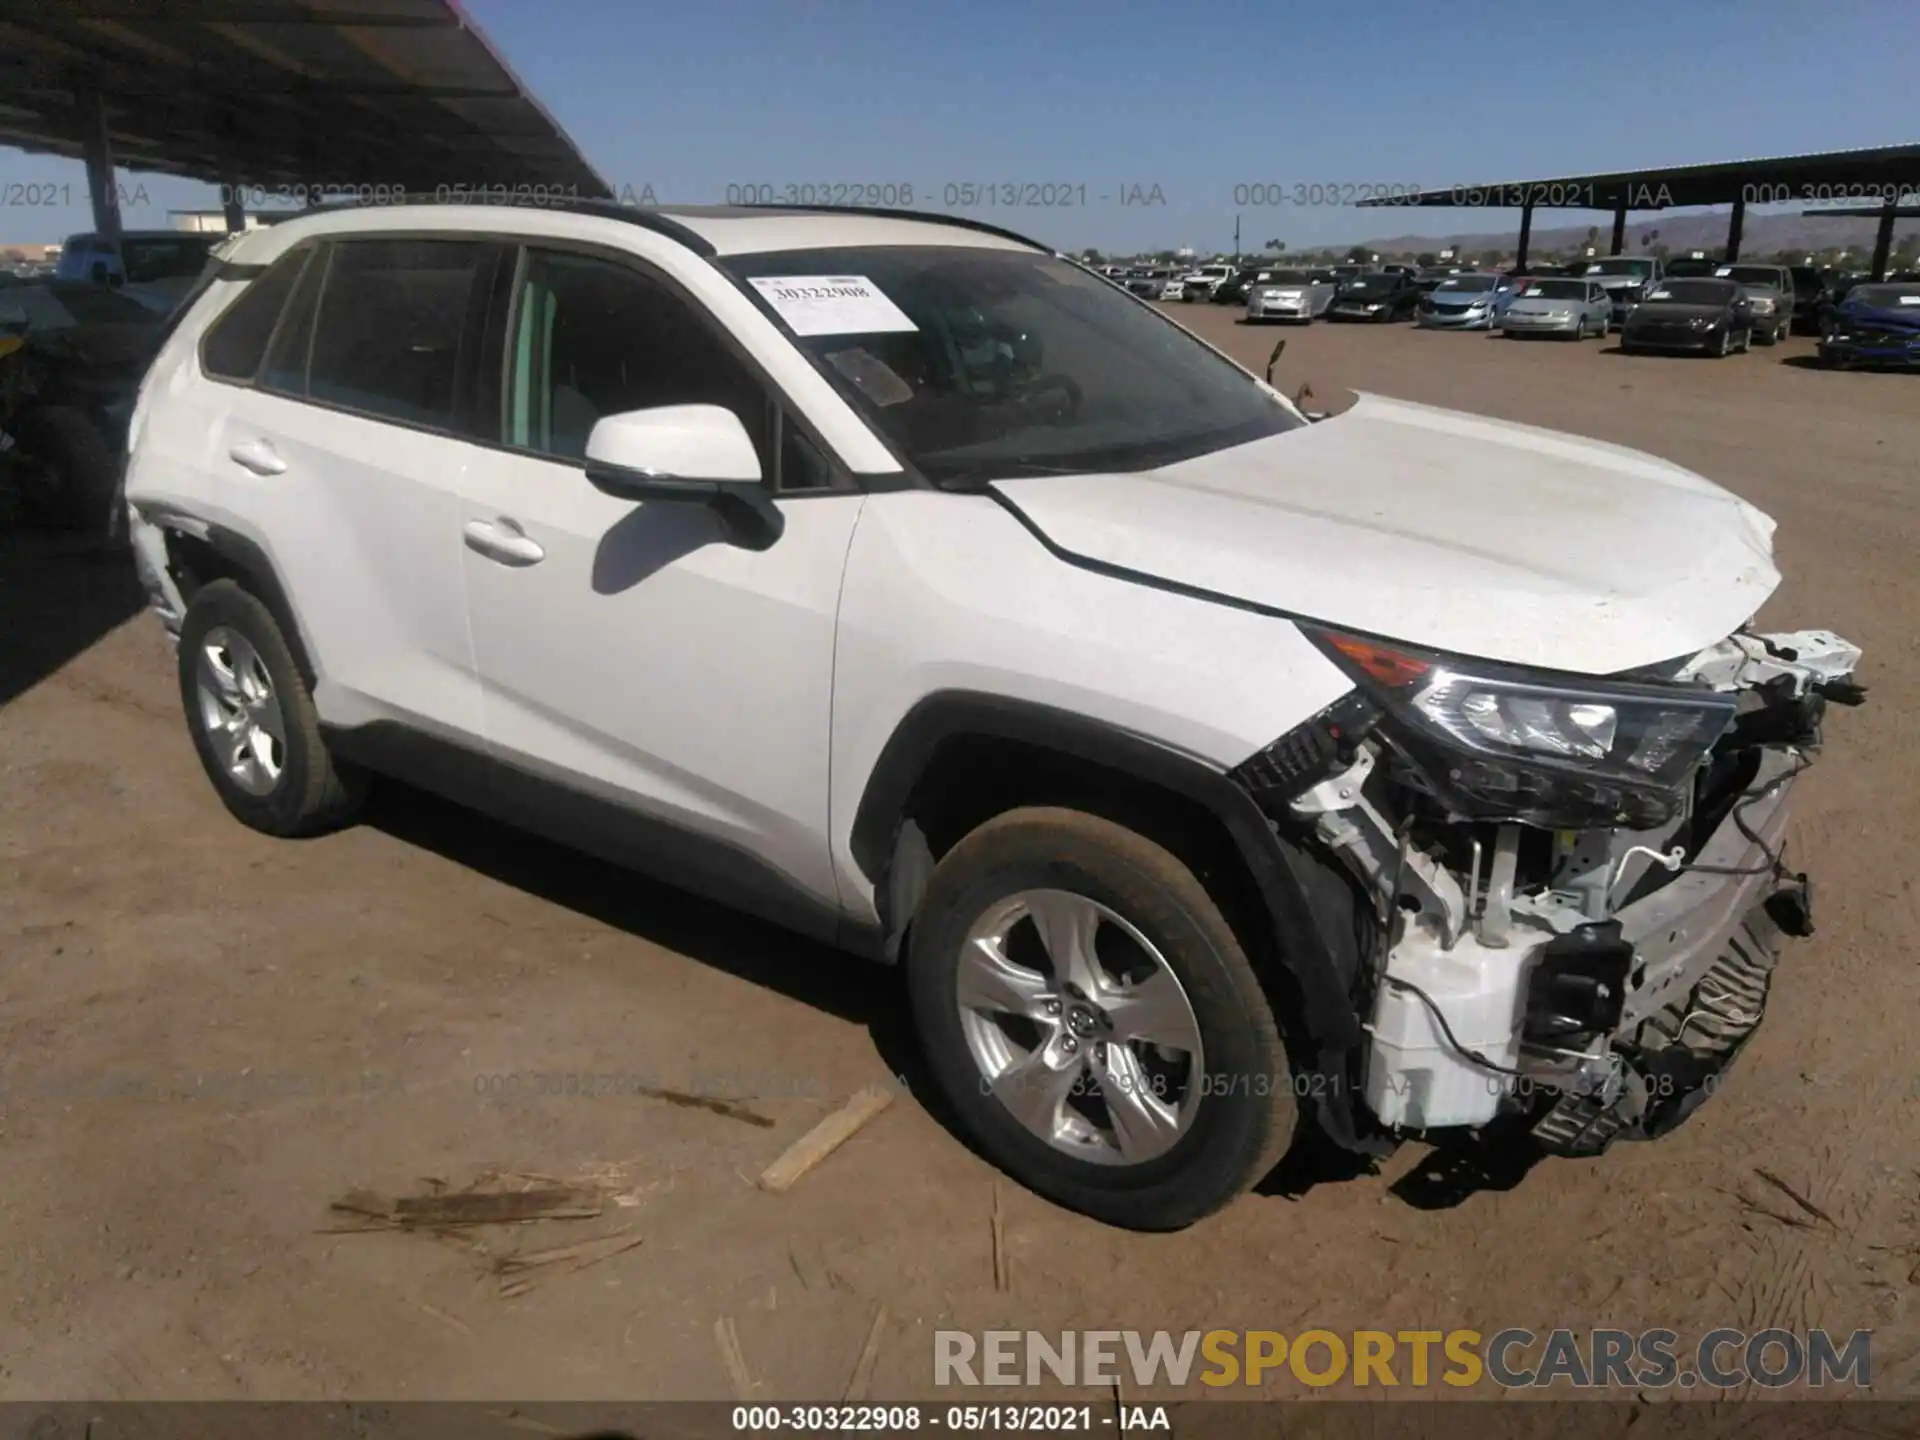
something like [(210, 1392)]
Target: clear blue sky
[(1195, 99)]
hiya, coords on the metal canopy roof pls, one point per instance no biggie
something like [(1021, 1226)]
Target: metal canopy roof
[(281, 94), (1861, 176)]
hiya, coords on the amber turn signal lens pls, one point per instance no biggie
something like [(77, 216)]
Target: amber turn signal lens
[(1389, 667)]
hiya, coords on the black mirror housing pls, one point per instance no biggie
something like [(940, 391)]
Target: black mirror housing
[(748, 516)]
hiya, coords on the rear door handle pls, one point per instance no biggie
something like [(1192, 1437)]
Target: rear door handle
[(503, 540), (257, 456)]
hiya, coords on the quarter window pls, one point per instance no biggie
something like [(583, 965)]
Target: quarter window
[(237, 341), (392, 318)]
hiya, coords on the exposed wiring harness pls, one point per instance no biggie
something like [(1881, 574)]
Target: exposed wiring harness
[(1776, 865)]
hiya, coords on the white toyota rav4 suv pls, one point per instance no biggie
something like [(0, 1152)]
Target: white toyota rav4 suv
[(1212, 773)]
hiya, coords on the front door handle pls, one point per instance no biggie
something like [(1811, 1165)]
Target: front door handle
[(503, 540), (258, 456)]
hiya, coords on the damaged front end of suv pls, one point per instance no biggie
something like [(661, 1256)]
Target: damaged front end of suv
[(1579, 884)]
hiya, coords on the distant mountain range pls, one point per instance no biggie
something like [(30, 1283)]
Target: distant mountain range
[(1762, 234)]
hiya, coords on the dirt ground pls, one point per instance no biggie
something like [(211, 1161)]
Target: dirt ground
[(206, 1036)]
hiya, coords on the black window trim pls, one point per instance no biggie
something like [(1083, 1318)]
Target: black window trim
[(499, 363)]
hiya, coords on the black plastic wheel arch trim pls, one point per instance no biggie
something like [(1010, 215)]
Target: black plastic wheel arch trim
[(255, 570), (1327, 1014)]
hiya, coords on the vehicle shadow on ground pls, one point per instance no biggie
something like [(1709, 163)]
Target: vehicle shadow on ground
[(859, 991), (1497, 1157), (58, 596)]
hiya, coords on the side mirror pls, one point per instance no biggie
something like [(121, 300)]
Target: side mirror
[(97, 272), (693, 454)]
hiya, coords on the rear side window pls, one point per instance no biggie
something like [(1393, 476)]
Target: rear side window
[(392, 318), (237, 342)]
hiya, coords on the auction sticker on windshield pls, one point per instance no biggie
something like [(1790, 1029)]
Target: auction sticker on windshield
[(831, 304)]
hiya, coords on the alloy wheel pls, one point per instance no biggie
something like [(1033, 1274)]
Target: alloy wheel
[(1080, 1028), (239, 710)]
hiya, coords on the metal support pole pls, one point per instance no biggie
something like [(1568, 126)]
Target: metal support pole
[(1619, 226), (233, 203), (101, 189), (1883, 239), (1734, 225), (1526, 236)]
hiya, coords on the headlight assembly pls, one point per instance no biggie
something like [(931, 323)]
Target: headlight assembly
[(1501, 742)]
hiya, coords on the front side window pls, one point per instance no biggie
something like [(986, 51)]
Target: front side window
[(982, 364), (592, 338), (392, 319)]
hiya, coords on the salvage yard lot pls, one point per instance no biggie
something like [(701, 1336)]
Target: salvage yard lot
[(207, 1036)]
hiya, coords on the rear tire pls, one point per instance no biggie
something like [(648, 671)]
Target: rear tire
[(252, 719), (1204, 1112)]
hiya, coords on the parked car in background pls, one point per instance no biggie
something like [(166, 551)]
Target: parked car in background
[(1878, 323), (1352, 270), (1289, 295), (1625, 278), (1708, 315), (1233, 289), (1173, 287), (1464, 302), (1770, 288), (1198, 283), (1147, 282), (1380, 296), (135, 257), (1559, 305)]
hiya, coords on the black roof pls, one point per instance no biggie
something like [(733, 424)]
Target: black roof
[(1782, 179), (406, 94)]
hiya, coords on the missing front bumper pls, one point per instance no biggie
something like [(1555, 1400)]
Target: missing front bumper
[(1681, 1052)]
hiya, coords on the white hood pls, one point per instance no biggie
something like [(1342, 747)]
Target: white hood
[(1442, 529)]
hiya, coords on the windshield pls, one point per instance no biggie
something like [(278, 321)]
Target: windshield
[(1886, 297), (1692, 292), (1690, 267), (1751, 275), (1284, 277), (1465, 282), (1556, 290), (165, 259), (987, 364), (1372, 284), (1618, 265)]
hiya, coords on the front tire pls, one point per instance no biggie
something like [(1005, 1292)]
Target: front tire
[(253, 721), (1094, 1022)]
